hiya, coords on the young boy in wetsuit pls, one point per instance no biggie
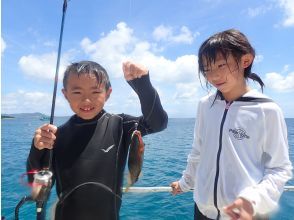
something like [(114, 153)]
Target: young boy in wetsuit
[(90, 149)]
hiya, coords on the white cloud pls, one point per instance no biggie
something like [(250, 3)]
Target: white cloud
[(258, 58), (120, 44), (43, 66), (3, 45), (286, 68), (111, 49), (263, 9), (279, 82), (186, 92), (288, 7), (212, 2), (183, 69), (164, 33), (24, 101), (50, 43), (131, 104)]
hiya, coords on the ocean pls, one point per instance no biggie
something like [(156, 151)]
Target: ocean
[(165, 159)]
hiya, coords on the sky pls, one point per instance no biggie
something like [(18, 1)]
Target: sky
[(163, 35)]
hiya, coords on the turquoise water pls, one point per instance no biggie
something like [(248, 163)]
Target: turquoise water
[(165, 159)]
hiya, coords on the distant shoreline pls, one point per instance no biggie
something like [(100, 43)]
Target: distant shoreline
[(7, 117), (41, 115)]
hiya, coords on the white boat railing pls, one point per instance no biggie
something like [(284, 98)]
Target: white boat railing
[(152, 189)]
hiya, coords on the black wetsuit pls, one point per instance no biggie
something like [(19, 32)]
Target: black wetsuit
[(89, 157)]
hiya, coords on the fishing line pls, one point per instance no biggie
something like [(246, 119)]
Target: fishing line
[(130, 10), (103, 186), (24, 175)]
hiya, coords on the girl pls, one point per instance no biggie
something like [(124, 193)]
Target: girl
[(239, 161)]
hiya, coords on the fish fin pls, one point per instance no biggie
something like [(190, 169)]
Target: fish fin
[(140, 175), (129, 182)]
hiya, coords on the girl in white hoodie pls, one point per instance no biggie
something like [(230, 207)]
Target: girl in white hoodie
[(239, 162)]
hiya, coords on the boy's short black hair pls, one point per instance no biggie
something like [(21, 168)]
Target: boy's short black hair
[(87, 67)]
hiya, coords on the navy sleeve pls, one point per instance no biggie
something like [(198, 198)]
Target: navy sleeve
[(154, 118)]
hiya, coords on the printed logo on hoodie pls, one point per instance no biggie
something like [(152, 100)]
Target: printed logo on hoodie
[(239, 133)]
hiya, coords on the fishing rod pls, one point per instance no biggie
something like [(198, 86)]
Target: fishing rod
[(43, 178)]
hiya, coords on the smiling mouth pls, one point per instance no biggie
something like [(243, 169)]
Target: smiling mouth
[(87, 109), (219, 84)]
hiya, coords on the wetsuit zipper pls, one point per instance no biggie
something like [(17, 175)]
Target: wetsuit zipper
[(218, 158)]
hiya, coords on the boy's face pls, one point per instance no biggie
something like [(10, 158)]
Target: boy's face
[(86, 98)]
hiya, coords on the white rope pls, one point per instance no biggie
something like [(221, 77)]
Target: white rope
[(154, 189)]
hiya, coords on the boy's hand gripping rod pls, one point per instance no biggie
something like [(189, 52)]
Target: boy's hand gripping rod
[(43, 179)]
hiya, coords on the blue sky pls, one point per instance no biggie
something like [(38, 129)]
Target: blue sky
[(164, 35)]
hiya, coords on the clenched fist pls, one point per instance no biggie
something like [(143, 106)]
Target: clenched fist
[(45, 136), (133, 70)]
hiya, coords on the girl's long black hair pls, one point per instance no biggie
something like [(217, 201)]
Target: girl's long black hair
[(229, 42)]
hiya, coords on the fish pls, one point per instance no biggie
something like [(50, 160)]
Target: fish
[(136, 157)]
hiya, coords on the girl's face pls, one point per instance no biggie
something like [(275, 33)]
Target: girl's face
[(85, 96), (227, 75)]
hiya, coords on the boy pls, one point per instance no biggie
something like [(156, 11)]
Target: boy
[(90, 149)]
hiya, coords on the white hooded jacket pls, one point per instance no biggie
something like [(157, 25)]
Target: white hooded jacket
[(240, 149)]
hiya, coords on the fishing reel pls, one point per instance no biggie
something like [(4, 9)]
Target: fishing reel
[(42, 186)]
